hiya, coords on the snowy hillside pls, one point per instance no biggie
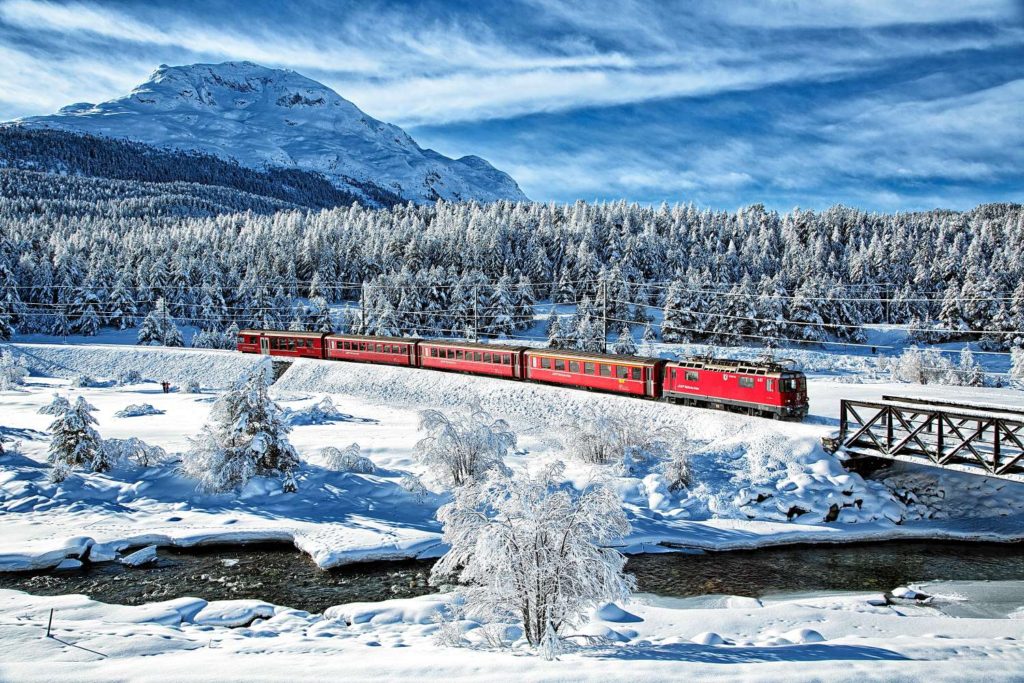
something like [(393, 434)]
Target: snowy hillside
[(265, 118)]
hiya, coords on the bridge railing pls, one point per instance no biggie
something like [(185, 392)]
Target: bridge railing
[(980, 439)]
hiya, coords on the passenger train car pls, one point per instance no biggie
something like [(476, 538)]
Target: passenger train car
[(767, 389)]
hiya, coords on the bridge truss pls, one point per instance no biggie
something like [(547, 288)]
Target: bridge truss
[(985, 440)]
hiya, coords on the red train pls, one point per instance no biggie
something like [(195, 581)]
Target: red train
[(767, 389)]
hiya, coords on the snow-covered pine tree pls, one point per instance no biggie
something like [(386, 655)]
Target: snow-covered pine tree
[(320, 314), (678, 322), (159, 328), (501, 310), (121, 309), (12, 372), (624, 345), (246, 437), (969, 372), (554, 329), (74, 441), (534, 548), (86, 313)]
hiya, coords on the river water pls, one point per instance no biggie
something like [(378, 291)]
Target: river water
[(284, 576)]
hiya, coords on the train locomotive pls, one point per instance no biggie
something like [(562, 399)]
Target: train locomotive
[(762, 388)]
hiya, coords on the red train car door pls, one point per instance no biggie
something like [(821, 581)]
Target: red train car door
[(264, 345)]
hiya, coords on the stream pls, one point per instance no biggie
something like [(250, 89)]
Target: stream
[(280, 574)]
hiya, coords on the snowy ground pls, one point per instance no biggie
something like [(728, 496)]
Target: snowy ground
[(338, 518), (836, 637)]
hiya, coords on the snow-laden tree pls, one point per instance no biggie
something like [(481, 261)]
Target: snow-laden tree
[(347, 459), (246, 437), (159, 328), (1017, 364), (554, 329), (74, 441), (461, 449), (624, 345), (969, 371), (57, 406), (12, 372), (615, 437), (534, 550)]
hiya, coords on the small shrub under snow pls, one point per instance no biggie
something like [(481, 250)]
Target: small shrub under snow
[(12, 372), (193, 387), (462, 449), (347, 459), (129, 377), (606, 437), (140, 410), (133, 450), (320, 413)]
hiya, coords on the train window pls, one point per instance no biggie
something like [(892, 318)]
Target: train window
[(787, 385), (477, 356), (747, 382), (621, 372), (636, 373), (559, 364), (460, 354), (588, 368), (506, 359), (433, 352), (574, 366), (606, 371), (545, 363), (692, 376), (380, 348), (487, 357), (770, 385)]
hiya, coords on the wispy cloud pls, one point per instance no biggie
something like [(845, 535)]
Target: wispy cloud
[(782, 100)]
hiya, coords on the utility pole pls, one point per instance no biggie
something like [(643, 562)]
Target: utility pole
[(476, 319), (604, 316), (362, 309)]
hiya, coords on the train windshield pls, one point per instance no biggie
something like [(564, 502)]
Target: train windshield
[(791, 384)]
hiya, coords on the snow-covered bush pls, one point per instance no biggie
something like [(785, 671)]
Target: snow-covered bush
[(604, 437), (677, 471), (74, 442), (1017, 364), (246, 437), (320, 413), (210, 339), (12, 372), (532, 550), (159, 328), (347, 459), (83, 381), (57, 406), (462, 449), (133, 450), (192, 386), (138, 410), (129, 377), (929, 366), (412, 485)]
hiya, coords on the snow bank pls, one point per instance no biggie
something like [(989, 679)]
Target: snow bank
[(217, 369), (836, 637)]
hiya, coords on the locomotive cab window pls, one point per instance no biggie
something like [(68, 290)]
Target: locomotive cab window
[(747, 382), (692, 376)]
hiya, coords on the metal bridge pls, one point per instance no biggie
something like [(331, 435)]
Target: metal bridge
[(986, 440)]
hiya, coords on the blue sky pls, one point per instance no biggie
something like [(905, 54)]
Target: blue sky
[(906, 104)]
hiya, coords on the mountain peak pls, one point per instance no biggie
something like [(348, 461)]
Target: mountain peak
[(263, 117)]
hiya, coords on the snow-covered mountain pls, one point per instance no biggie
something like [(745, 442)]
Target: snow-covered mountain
[(265, 118)]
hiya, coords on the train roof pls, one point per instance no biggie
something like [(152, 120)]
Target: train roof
[(595, 356), (283, 333), (474, 345), (369, 338), (744, 367)]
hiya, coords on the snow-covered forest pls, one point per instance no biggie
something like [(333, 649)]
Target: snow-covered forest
[(751, 276)]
